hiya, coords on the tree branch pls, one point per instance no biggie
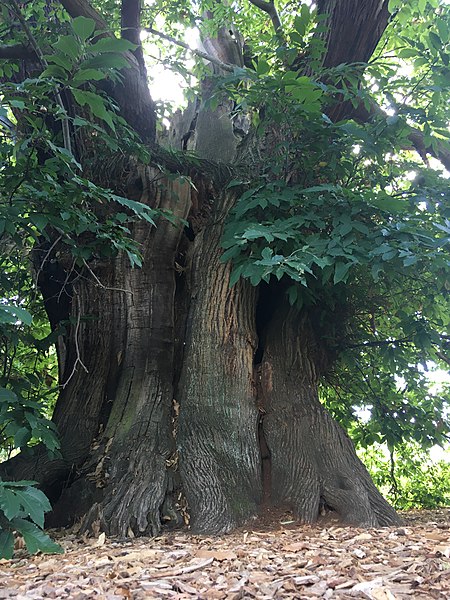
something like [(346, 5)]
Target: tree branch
[(44, 64), (130, 15), (440, 151), (17, 51), (82, 8), (353, 29), (349, 40), (200, 53), (140, 113), (269, 8), (443, 357)]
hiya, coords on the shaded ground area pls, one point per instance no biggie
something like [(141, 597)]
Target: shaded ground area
[(275, 559)]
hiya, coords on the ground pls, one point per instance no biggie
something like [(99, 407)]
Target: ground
[(274, 559)]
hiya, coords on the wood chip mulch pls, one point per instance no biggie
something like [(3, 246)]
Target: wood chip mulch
[(283, 560)]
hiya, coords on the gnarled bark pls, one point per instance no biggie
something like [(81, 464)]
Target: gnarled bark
[(115, 417), (313, 461)]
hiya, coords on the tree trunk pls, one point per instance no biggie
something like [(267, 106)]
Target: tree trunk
[(218, 431), (128, 355), (313, 462), (114, 413), (129, 464)]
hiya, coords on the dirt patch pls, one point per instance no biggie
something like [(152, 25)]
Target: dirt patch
[(274, 559)]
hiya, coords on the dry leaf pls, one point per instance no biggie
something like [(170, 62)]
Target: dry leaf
[(382, 594), (272, 562), (363, 536), (294, 547), (216, 554)]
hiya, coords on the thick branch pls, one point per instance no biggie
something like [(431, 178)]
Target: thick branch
[(199, 53), (269, 8), (131, 28), (82, 8), (354, 29), (441, 151), (361, 114), (132, 94), (17, 51)]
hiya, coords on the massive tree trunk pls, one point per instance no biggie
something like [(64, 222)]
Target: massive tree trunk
[(240, 365)]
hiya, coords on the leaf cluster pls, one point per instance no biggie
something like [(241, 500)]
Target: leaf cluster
[(22, 510)]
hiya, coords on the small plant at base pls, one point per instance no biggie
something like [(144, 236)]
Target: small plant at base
[(22, 510)]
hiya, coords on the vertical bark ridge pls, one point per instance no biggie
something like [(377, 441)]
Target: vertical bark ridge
[(219, 455)]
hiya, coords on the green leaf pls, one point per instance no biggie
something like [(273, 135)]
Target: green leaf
[(105, 61), (443, 30), (22, 437), (234, 183), (20, 104), (435, 40), (59, 60), (54, 71), (9, 502), (35, 504), (69, 45), (407, 52), (235, 274), (388, 203), (140, 209), (6, 544), (12, 314), (39, 220), (35, 539), (112, 45), (262, 68), (84, 75), (341, 272), (83, 27), (95, 103)]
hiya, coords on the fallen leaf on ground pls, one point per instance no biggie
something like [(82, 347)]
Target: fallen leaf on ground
[(323, 561)]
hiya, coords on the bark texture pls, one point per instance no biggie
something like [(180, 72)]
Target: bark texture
[(219, 455), (130, 463), (313, 462)]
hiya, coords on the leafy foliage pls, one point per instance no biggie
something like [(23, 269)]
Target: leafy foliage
[(23, 424), (340, 212), (22, 509), (355, 224), (408, 478)]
